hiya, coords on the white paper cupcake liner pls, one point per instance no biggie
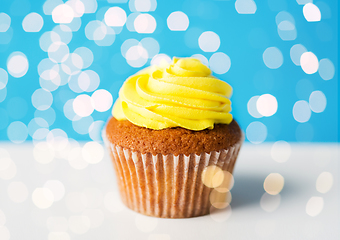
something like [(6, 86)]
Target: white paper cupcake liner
[(167, 186)]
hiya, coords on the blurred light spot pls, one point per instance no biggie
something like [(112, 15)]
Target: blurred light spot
[(324, 182), (146, 224), (108, 38), (137, 56), (93, 152), (219, 63), (95, 130), (295, 53), (47, 38), (309, 62), (76, 160), (220, 200), (284, 16), (272, 58), (5, 160), (281, 151), (4, 78), (96, 217), (43, 153), (304, 132), (58, 236), (57, 188), (57, 139), (75, 201), (245, 6), (4, 233), (62, 13), (159, 237), (6, 37), (314, 206), (90, 6), (145, 23), (142, 5), (64, 32), (42, 99), (270, 203), (9, 172), (131, 20), (311, 12), (49, 5), (83, 105), (212, 176), (82, 125), (303, 2), (227, 183), (127, 44), (150, 45), (209, 41), (95, 30), (160, 59), (202, 58), (317, 101), (42, 198), (266, 105), (3, 94), (17, 108), (178, 21), (74, 25), (58, 52), (33, 22), (86, 55), (2, 218), (115, 17), (17, 192), (273, 183), (72, 66), (256, 132), (35, 124), (286, 26), (77, 6), (17, 132), (102, 100), (113, 203), (301, 111), (57, 224), (49, 115), (17, 64), (87, 81), (220, 215), (79, 224), (69, 112), (5, 22), (326, 69)]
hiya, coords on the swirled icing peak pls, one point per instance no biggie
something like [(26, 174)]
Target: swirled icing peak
[(180, 94)]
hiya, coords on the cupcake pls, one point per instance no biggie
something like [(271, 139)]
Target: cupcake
[(170, 124)]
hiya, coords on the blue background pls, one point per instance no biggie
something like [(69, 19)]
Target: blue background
[(244, 38)]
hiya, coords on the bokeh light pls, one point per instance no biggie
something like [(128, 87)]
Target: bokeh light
[(314, 206), (42, 198), (281, 151), (326, 69), (115, 17), (256, 132), (273, 183), (17, 132), (311, 12), (212, 176), (219, 63), (309, 62), (209, 41), (62, 13), (270, 203), (5, 22), (317, 101), (324, 182), (245, 6), (33, 22), (301, 111), (266, 105), (145, 23), (272, 58), (17, 64), (295, 53), (178, 21)]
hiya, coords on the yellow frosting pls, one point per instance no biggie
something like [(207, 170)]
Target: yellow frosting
[(180, 94)]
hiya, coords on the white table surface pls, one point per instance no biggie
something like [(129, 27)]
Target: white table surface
[(87, 206)]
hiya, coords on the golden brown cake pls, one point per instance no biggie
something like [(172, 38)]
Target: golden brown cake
[(161, 156)]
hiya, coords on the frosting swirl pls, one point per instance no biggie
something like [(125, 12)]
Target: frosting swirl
[(180, 94)]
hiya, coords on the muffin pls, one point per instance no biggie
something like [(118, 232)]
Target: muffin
[(170, 124)]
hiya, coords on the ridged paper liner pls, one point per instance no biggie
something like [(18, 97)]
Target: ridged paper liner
[(167, 186)]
